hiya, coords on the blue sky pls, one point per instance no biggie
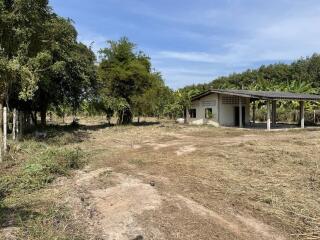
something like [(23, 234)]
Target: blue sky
[(195, 41)]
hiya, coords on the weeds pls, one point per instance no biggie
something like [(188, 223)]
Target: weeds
[(31, 168)]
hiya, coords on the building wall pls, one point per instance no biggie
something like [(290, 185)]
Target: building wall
[(223, 110), (227, 105), (210, 101)]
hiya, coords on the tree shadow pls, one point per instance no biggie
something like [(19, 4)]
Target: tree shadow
[(145, 124), (12, 217), (73, 133)]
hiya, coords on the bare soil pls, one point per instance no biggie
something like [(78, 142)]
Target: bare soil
[(168, 181)]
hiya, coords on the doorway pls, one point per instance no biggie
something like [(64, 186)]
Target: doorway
[(236, 116)]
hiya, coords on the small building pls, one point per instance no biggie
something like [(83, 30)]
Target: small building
[(232, 107)]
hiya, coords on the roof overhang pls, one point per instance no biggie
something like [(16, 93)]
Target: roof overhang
[(261, 95)]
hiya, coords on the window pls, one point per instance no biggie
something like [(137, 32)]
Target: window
[(193, 113), (208, 113)]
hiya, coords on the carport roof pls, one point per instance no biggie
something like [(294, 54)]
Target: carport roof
[(264, 95)]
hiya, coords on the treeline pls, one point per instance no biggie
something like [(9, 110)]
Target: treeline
[(44, 68), (302, 75), (42, 64)]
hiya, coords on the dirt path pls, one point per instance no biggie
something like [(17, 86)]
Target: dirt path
[(134, 190), (115, 212)]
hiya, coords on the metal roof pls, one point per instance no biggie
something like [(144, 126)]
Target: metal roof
[(264, 95)]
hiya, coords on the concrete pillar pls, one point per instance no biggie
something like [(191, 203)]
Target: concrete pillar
[(240, 113), (274, 113), (268, 116), (254, 112), (302, 114)]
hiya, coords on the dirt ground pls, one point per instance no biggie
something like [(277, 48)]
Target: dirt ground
[(169, 181)]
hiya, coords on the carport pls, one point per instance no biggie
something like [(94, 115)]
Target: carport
[(270, 98)]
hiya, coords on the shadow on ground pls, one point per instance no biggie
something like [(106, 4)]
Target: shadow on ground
[(71, 133), (12, 217)]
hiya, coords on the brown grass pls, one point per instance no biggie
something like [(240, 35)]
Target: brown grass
[(273, 177), (214, 183)]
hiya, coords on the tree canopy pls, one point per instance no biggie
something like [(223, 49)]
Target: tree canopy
[(126, 80)]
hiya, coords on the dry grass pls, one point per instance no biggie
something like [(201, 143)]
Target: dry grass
[(265, 184), (273, 177)]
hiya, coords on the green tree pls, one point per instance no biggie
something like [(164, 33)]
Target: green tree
[(124, 74)]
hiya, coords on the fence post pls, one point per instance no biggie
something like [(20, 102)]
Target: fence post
[(14, 124), (5, 130), (1, 132), (20, 124)]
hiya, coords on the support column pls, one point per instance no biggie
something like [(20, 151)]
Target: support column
[(240, 113), (302, 114), (268, 116), (4, 130), (254, 112), (274, 113)]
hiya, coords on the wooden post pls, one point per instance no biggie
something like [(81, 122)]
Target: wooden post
[(274, 113), (1, 132), (17, 125), (268, 116), (14, 124), (302, 114), (240, 113), (20, 124), (254, 112), (5, 130), (314, 116)]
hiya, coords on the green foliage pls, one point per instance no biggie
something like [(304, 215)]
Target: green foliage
[(126, 79), (302, 76), (41, 170), (41, 62)]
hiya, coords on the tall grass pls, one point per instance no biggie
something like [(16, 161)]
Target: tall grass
[(31, 166)]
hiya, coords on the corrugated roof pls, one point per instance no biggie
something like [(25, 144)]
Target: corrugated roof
[(264, 95)]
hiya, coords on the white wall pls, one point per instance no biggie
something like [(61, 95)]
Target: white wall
[(210, 101), (227, 111), (223, 114)]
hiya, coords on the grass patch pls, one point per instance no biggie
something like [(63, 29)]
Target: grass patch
[(31, 166)]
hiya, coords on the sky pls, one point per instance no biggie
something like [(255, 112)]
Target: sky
[(196, 41)]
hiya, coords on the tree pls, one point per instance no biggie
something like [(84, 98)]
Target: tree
[(124, 74)]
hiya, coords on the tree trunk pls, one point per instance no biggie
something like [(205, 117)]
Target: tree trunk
[(14, 124), (43, 115), (126, 117), (33, 117)]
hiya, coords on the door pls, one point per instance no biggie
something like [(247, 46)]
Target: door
[(236, 116)]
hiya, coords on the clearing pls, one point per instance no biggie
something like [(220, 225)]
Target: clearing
[(169, 181)]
